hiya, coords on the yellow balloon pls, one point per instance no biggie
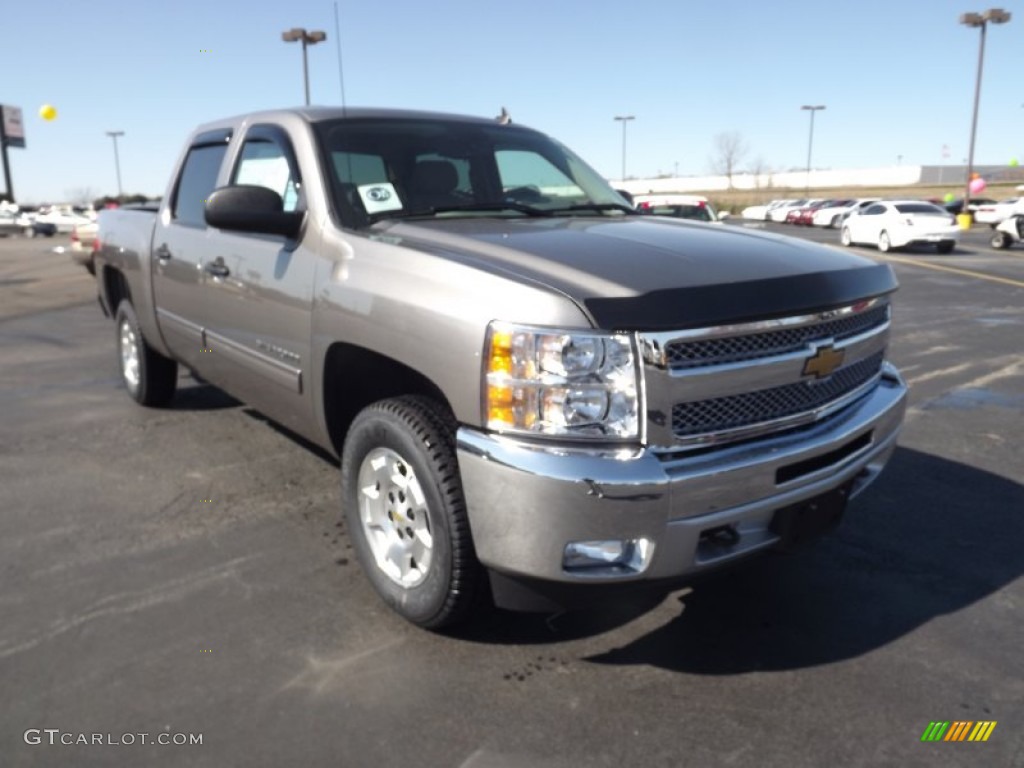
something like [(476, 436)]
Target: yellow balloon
[(1014, 162), (48, 112)]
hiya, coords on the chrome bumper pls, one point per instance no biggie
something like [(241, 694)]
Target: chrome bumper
[(526, 502)]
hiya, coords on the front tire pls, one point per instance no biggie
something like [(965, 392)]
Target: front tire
[(1000, 240), (29, 231), (884, 243), (149, 377), (945, 247), (405, 510)]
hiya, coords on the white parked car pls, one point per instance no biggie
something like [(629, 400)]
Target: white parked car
[(693, 207), (861, 204), (759, 212), (65, 217), (832, 215), (996, 212), (893, 224), (779, 212)]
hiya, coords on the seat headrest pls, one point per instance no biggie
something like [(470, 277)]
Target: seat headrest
[(434, 177)]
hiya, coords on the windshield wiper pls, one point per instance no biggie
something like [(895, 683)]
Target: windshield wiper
[(599, 207), (529, 210)]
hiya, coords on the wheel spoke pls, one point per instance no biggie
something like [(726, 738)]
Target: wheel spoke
[(419, 551), (396, 559)]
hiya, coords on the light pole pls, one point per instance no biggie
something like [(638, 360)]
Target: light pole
[(117, 161), (624, 119), (810, 143), (996, 16), (307, 38)]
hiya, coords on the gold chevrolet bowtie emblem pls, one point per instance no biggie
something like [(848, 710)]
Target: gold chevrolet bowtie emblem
[(823, 362)]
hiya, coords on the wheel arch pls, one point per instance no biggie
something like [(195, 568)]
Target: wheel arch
[(355, 377), (115, 289)]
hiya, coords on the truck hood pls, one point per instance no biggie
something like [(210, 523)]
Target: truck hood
[(641, 273)]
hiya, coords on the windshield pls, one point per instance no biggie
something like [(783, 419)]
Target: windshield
[(384, 168)]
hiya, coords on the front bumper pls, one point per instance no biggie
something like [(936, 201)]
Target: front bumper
[(527, 501)]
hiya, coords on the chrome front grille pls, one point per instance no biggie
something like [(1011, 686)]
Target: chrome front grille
[(729, 349), (732, 382), (723, 414)]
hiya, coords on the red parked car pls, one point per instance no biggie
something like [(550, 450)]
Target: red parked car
[(805, 215)]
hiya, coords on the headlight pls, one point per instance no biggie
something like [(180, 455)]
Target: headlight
[(551, 382)]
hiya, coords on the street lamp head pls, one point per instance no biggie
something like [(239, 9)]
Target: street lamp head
[(816, 107), (298, 34), (624, 117), (993, 15)]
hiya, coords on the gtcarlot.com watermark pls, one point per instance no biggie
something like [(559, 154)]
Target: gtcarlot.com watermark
[(57, 737)]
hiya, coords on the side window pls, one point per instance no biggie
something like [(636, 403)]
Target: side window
[(264, 163), (874, 210), (198, 180)]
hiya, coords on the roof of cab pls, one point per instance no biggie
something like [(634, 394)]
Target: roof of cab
[(322, 114)]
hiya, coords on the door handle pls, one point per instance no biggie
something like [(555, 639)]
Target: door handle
[(217, 268), (163, 253)]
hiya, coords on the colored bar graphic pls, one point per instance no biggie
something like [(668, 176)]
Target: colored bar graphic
[(983, 730), (958, 730)]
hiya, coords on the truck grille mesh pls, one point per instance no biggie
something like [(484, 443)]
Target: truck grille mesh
[(751, 408), (704, 352)]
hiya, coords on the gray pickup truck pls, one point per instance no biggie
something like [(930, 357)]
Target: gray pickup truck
[(538, 397)]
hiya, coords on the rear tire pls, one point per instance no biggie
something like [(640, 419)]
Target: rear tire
[(29, 231), (884, 243), (149, 377), (406, 513), (845, 237), (945, 247)]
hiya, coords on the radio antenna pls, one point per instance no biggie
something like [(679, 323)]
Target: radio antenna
[(341, 71)]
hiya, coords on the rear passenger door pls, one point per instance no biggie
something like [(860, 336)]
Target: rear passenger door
[(180, 244)]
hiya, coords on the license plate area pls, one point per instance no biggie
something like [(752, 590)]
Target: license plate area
[(800, 524)]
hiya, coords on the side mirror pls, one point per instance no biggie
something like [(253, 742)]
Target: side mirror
[(251, 208), (723, 215)]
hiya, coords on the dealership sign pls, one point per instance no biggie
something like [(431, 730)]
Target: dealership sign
[(13, 130)]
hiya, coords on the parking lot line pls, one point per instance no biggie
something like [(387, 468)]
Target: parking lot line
[(957, 270)]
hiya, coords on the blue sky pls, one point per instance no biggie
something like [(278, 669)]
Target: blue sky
[(897, 78)]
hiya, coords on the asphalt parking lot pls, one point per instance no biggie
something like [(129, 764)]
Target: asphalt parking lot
[(185, 572)]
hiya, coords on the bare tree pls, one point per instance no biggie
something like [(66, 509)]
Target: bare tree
[(758, 168), (730, 149)]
